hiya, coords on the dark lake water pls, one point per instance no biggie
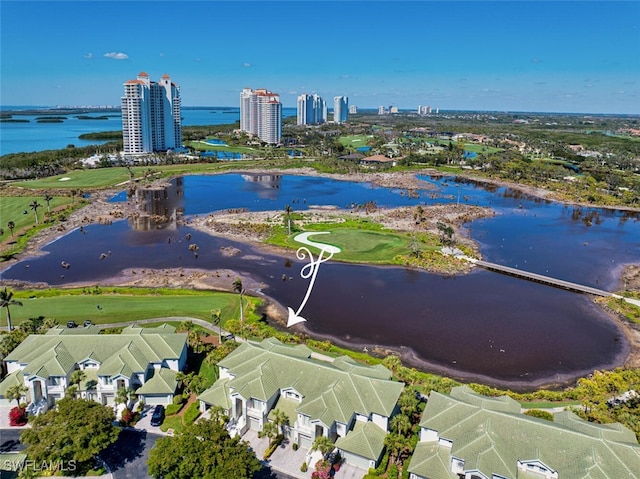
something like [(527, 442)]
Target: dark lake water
[(486, 326)]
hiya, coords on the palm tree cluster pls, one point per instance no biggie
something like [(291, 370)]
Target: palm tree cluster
[(6, 300)]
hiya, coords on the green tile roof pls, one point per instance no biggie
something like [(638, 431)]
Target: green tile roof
[(218, 394), (331, 391), (13, 379), (11, 461), (56, 354), (163, 381), (432, 461), (90, 380), (287, 406), (490, 435), (366, 439)]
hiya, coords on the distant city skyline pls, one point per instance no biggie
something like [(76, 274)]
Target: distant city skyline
[(545, 56)]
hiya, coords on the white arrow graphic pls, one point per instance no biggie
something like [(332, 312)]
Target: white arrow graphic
[(310, 270)]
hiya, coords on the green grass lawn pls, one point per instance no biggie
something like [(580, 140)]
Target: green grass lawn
[(116, 308), (12, 208), (360, 241), (83, 179), (476, 148), (365, 246), (355, 140), (109, 177), (204, 146)]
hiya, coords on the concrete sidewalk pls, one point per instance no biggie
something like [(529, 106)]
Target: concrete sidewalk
[(287, 461)]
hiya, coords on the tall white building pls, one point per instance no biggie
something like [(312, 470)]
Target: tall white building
[(340, 109), (261, 114), (151, 115), (312, 109)]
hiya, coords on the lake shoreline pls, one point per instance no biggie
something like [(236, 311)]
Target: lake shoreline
[(100, 210)]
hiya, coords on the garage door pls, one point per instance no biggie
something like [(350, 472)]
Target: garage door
[(356, 460), (254, 423), (153, 400), (305, 441)]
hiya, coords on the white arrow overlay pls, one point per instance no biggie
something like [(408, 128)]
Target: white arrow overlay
[(310, 270)]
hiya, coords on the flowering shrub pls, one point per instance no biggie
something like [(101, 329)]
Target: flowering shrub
[(323, 470), (128, 417), (17, 416)]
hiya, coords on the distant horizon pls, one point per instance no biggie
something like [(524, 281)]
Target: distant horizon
[(373, 108), (521, 56)]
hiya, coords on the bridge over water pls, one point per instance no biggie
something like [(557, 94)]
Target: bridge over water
[(540, 278)]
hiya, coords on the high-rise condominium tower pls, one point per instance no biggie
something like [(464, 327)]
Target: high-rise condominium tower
[(261, 114), (311, 109), (151, 115), (340, 109)]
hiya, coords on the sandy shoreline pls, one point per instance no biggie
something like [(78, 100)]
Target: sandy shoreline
[(401, 219)]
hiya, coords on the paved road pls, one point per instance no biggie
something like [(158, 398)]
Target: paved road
[(10, 440), (128, 456)]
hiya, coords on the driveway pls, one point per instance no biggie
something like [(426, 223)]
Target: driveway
[(4, 418), (127, 457), (10, 440), (285, 462)]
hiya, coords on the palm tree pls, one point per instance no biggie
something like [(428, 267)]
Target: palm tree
[(123, 395), (77, 376), (269, 430), (6, 301), (11, 225), (48, 199), (216, 316), (34, 206), (280, 419), (237, 287), (323, 444), (401, 424), (16, 392), (288, 211)]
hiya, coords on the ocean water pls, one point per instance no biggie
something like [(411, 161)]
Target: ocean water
[(34, 136)]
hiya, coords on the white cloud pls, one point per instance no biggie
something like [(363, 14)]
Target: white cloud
[(246, 65), (161, 54), (89, 55), (117, 55)]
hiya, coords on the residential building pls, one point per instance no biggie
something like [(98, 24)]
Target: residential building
[(146, 360), (382, 110), (353, 109), (261, 114), (340, 109), (424, 110), (346, 401), (151, 118), (378, 161), (466, 435), (312, 109)]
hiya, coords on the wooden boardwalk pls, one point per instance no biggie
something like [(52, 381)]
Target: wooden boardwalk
[(540, 278)]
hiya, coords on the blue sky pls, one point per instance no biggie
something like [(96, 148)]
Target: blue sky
[(570, 56)]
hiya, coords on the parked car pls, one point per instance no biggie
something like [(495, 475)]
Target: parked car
[(158, 415), (87, 323), (71, 324)]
